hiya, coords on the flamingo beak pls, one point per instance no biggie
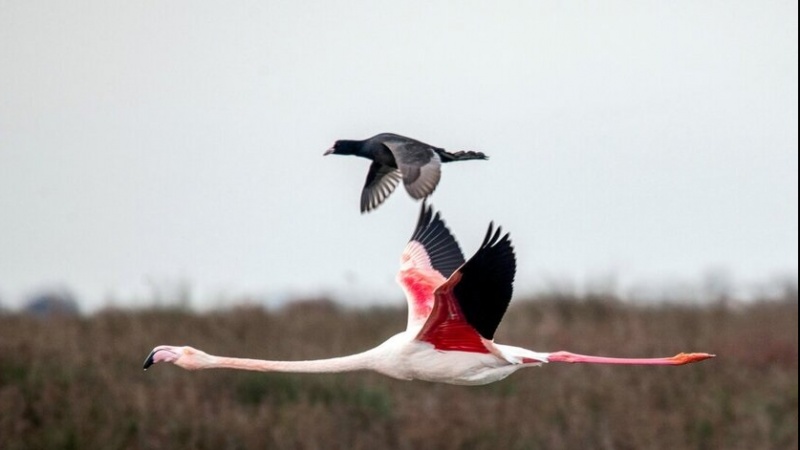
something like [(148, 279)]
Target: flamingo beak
[(328, 151), (161, 354), (149, 360)]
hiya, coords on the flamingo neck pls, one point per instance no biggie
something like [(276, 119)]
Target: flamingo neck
[(677, 360), (359, 361)]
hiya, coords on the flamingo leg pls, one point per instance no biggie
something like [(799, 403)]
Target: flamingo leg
[(677, 360)]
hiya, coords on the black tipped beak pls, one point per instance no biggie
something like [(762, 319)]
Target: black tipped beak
[(149, 361), (328, 152)]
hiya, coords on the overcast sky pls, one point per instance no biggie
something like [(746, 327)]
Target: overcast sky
[(148, 144)]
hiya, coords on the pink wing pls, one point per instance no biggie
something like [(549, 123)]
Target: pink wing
[(429, 258), (470, 304)]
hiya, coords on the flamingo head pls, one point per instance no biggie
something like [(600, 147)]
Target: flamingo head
[(186, 357)]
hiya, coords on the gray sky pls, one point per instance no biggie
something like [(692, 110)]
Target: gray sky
[(144, 144)]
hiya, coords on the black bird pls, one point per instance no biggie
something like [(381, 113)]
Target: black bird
[(394, 157)]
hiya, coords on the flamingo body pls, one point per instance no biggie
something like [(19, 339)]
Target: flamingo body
[(402, 356)]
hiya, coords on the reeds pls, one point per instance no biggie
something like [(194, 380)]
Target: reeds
[(77, 383)]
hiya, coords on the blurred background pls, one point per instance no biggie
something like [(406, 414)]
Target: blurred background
[(150, 149), (162, 182)]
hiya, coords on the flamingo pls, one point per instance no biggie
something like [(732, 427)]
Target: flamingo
[(395, 157), (454, 308)]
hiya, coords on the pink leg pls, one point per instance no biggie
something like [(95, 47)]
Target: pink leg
[(677, 360)]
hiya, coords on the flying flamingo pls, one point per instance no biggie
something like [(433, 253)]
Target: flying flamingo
[(454, 310)]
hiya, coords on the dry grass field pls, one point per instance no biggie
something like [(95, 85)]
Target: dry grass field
[(77, 383)]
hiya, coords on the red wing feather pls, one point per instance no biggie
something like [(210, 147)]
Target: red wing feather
[(446, 327)]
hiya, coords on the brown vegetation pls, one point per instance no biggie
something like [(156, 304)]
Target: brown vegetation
[(77, 383)]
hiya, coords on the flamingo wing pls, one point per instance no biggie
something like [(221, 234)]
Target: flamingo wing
[(468, 307), (430, 257)]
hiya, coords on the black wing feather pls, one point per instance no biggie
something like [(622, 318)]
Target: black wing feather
[(486, 284), (439, 243)]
